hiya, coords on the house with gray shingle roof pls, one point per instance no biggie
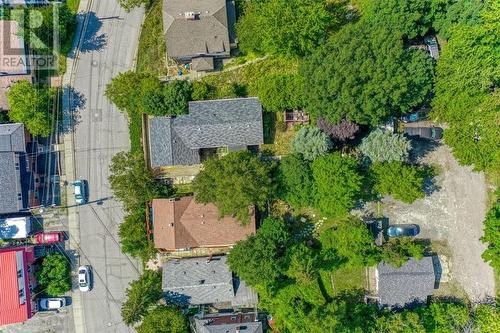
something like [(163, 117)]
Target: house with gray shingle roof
[(232, 123), (205, 281), (409, 285), (199, 29), (12, 147)]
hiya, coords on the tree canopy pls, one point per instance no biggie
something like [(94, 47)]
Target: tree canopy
[(382, 146), (404, 182), (133, 236), (466, 91), (295, 181), (337, 183), (285, 27), (31, 105), (132, 182), (492, 237), (260, 259), (364, 73), (310, 142), (164, 319), (141, 295), (341, 132), (55, 275), (278, 91), (234, 183)]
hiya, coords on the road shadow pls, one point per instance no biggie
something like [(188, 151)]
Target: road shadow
[(93, 41), (71, 113)]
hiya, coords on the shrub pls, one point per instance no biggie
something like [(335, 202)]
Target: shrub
[(141, 295), (344, 131), (310, 142), (492, 237)]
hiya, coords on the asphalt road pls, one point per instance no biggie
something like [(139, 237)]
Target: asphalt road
[(108, 47)]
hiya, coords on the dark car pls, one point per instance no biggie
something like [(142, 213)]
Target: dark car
[(430, 133), (403, 230)]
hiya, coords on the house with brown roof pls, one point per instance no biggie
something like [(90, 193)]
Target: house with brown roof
[(185, 224)]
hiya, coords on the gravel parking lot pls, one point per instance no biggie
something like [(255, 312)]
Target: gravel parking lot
[(452, 213)]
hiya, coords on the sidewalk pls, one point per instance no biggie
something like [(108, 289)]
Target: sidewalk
[(69, 170)]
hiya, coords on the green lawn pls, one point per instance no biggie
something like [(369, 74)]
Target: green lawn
[(344, 279), (152, 49), (135, 132)]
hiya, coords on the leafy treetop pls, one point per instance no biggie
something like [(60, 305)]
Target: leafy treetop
[(382, 146), (310, 142)]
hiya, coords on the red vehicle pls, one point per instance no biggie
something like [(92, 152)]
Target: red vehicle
[(49, 237)]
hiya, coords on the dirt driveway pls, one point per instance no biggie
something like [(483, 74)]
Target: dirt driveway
[(453, 213)]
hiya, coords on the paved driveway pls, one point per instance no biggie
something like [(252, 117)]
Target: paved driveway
[(453, 213)]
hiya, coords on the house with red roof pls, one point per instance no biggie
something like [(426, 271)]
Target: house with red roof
[(16, 282)]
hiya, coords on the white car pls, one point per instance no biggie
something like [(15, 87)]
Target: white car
[(80, 192), (46, 304), (84, 278)]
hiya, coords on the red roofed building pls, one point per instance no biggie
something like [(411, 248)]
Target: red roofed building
[(16, 278), (180, 224)]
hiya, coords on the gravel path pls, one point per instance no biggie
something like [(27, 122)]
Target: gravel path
[(454, 212)]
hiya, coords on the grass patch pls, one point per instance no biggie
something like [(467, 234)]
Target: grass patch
[(135, 132), (152, 56), (344, 279), (239, 82)]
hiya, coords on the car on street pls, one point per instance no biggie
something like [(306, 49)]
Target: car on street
[(49, 237), (403, 230), (55, 303), (84, 279), (429, 133), (80, 192)]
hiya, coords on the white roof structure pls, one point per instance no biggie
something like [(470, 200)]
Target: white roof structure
[(15, 228)]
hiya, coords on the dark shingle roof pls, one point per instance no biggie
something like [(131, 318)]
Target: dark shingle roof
[(12, 138), (207, 34), (209, 124), (227, 323), (409, 284), (10, 183), (200, 281)]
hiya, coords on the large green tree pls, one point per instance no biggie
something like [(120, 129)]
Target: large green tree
[(132, 182), (289, 27), (351, 242), (133, 236), (337, 183), (167, 100), (279, 92), (55, 275), (295, 181), (404, 182), (466, 90), (31, 105), (260, 259), (164, 319), (365, 73), (234, 183), (141, 295)]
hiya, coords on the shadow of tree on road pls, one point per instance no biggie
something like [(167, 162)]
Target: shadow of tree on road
[(92, 41), (71, 114)]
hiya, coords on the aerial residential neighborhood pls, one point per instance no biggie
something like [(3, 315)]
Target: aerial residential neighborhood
[(249, 166)]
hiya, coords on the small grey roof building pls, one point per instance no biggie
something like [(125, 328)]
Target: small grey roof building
[(226, 323), (204, 280), (232, 123), (12, 147), (199, 28), (408, 285)]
